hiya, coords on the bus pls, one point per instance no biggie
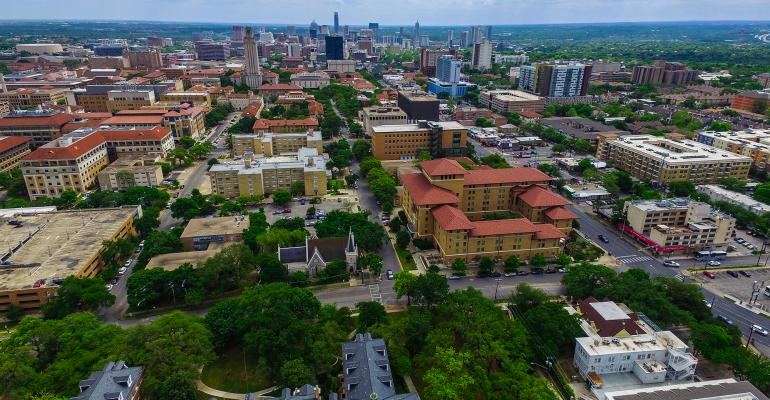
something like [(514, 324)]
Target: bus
[(710, 255)]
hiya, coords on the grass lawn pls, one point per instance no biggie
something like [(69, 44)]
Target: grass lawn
[(407, 261), (227, 373)]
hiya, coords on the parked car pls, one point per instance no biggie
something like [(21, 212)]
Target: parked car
[(732, 273), (714, 263), (671, 263), (286, 211), (454, 277), (108, 286), (122, 271), (509, 274), (389, 274), (709, 274), (745, 273), (537, 271), (604, 239), (523, 273), (277, 212), (726, 320), (128, 263), (115, 280), (496, 274), (760, 330)]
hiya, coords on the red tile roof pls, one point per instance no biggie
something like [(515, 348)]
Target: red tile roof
[(530, 114), (95, 139), (56, 120), (548, 231), (537, 196), (134, 119), (505, 175), (503, 227), (141, 112), (9, 142), (424, 193), (442, 166), (558, 213), (451, 218), (274, 123)]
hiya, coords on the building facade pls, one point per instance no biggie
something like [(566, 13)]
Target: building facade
[(275, 144), (380, 115), (130, 171), (511, 101), (12, 150), (661, 160), (447, 203), (405, 142), (310, 80), (555, 80), (419, 105), (39, 126), (266, 175), (28, 98)]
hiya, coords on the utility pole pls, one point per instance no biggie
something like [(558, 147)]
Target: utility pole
[(748, 341), (497, 286)]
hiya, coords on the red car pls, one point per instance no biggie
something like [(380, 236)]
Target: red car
[(287, 210), (710, 274)]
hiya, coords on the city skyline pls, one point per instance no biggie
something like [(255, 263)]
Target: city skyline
[(360, 12)]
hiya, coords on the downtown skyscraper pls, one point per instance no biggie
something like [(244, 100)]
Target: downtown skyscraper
[(336, 22)]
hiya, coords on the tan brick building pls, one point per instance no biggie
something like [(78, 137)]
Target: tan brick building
[(130, 171), (405, 142), (12, 150), (447, 203), (273, 144), (27, 98), (40, 127), (662, 160), (285, 125), (265, 175)]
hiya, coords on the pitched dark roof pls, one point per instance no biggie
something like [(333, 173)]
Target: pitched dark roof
[(292, 254), (331, 249)]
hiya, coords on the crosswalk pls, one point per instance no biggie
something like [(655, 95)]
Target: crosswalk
[(374, 293), (679, 277), (633, 259)]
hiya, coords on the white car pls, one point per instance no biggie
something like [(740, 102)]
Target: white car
[(714, 263), (128, 263), (109, 286), (760, 330), (670, 263), (122, 271)]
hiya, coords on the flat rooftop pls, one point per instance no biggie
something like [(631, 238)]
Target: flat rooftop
[(215, 226), (513, 95), (658, 341), (446, 125), (676, 151), (56, 244), (308, 161)]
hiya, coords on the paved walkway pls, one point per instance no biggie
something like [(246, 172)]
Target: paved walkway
[(203, 388)]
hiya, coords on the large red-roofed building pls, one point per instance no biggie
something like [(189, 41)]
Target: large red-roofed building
[(72, 162), (453, 206)]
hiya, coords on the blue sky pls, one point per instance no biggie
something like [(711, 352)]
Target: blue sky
[(391, 12)]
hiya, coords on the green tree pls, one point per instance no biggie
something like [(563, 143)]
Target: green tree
[(361, 149), (539, 260), (295, 373), (720, 126), (449, 378), (585, 279), (495, 160), (402, 238), (371, 262), (404, 284), (459, 267), (486, 267), (369, 235), (370, 313), (298, 188), (424, 155), (368, 164), (430, 288), (681, 188), (281, 197), (14, 312), (762, 193), (76, 294), (512, 264)]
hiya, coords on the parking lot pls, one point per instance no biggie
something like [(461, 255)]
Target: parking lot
[(750, 244), (736, 284), (346, 203)]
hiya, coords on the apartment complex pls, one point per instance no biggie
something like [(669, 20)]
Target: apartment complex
[(662, 160), (754, 143), (677, 225), (284, 125), (275, 144), (39, 126), (28, 98), (405, 142), (663, 73), (380, 115), (555, 80), (511, 101), (12, 150), (262, 176), (130, 171), (35, 264), (74, 160), (110, 98), (447, 203), (621, 344)]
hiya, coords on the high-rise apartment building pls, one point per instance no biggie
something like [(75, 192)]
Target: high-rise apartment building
[(663, 73), (447, 78), (336, 22), (482, 55), (252, 77), (212, 51), (560, 80), (238, 33), (428, 59), (335, 47)]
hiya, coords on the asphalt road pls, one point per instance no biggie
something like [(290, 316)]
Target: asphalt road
[(632, 257)]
